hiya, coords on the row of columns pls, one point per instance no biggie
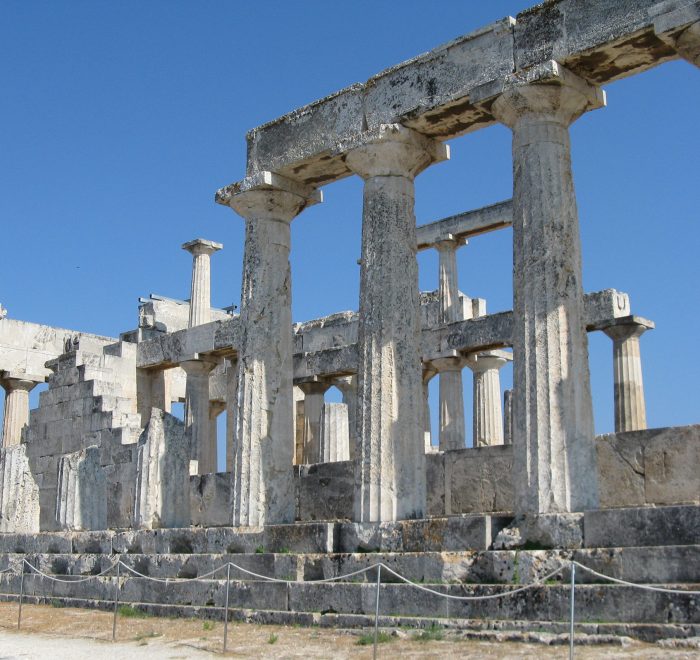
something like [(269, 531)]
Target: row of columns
[(551, 417)]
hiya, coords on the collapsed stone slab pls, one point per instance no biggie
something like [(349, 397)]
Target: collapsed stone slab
[(81, 501), (19, 493)]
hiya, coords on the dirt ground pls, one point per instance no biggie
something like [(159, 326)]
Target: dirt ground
[(51, 632)]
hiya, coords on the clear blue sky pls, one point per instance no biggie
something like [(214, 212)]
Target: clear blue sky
[(119, 120)]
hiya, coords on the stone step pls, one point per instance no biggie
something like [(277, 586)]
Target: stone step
[(642, 526), (663, 564), (595, 603), (487, 629)]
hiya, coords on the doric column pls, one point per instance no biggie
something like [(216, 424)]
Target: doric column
[(452, 434), (508, 417), (313, 406), (488, 416), (348, 388), (334, 433), (390, 475), (197, 422), (448, 283), (263, 487), (554, 458), (200, 296), (429, 371), (16, 415), (630, 407)]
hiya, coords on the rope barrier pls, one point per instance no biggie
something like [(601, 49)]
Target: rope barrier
[(648, 587), (76, 581), (175, 580)]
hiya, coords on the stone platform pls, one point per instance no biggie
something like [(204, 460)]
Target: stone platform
[(627, 544)]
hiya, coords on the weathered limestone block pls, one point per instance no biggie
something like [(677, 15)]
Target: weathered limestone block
[(19, 493), (263, 489), (335, 438), (162, 474), (81, 498), (324, 491), (390, 478), (554, 454), (210, 499), (654, 466)]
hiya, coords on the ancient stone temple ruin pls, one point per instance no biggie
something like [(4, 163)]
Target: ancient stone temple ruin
[(101, 467)]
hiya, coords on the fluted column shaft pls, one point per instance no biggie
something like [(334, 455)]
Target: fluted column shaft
[(554, 455), (348, 388), (263, 487), (488, 414), (448, 282), (452, 429), (390, 471), (508, 417), (313, 407), (153, 391), (197, 420), (429, 371), (16, 415), (200, 294), (630, 406), (215, 409), (231, 410)]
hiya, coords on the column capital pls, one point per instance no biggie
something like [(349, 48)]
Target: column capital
[(196, 366), (449, 242), (392, 150), (486, 360), (12, 382), (547, 90), (268, 196), (313, 386), (451, 363), (202, 246), (626, 327)]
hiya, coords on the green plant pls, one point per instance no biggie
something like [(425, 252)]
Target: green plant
[(208, 625), (131, 612), (432, 634), (368, 639), (260, 550), (272, 639), (144, 636), (516, 572), (284, 551)]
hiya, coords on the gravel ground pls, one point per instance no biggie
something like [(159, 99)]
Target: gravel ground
[(77, 634)]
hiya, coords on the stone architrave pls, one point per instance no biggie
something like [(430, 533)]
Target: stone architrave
[(162, 474), (313, 407), (390, 470), (19, 492), (197, 419), (335, 445), (263, 485), (348, 388), (200, 296), (630, 407), (679, 27), (81, 497), (488, 416), (16, 415), (554, 458), (452, 435)]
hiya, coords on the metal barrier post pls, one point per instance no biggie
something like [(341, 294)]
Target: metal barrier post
[(571, 626), (376, 611), (116, 603), (228, 582), (21, 595)]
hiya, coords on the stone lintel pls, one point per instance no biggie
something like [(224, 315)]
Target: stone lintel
[(268, 181), (674, 17), (202, 246)]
